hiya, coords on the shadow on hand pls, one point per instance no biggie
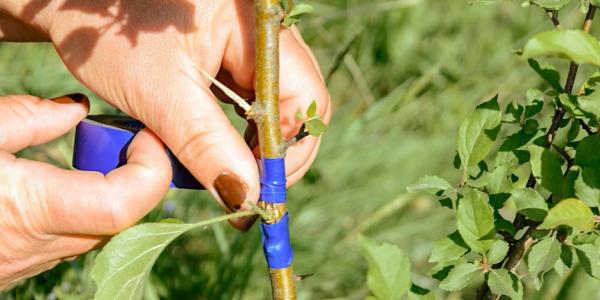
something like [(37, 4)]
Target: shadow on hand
[(131, 17)]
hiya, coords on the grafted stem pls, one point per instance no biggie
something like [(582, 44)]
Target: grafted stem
[(265, 112)]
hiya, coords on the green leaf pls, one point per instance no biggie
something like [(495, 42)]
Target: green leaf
[(503, 282), (122, 266), (589, 258), (460, 276), (475, 220), (389, 269), (431, 184), (497, 251), (574, 45), (530, 203), (449, 248), (477, 133), (573, 130), (590, 103), (548, 73), (542, 257), (550, 4), (571, 212), (587, 152), (587, 186), (547, 169), (312, 109), (497, 181), (569, 102), (294, 15), (315, 127), (564, 264)]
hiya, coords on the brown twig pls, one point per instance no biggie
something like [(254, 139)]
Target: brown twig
[(302, 133), (565, 155), (265, 112), (586, 127), (518, 249), (553, 15)]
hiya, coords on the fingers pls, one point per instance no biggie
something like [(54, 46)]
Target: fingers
[(81, 202), (29, 121), (300, 84), (201, 136)]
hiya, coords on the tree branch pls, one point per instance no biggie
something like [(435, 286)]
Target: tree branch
[(265, 112)]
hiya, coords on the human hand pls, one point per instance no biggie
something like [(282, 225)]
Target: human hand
[(50, 214), (143, 57)]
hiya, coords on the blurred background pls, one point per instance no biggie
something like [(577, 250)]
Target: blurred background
[(402, 74)]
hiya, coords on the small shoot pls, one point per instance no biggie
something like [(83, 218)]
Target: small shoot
[(312, 124), (295, 13)]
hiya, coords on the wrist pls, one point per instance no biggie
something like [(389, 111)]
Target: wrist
[(25, 20)]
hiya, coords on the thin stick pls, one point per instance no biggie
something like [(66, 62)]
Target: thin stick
[(266, 115), (241, 102)]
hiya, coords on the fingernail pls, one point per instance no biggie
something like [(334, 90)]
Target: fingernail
[(232, 190), (244, 223), (72, 98)]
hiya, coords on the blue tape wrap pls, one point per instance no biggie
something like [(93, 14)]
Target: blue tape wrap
[(101, 145), (276, 243), (272, 180)]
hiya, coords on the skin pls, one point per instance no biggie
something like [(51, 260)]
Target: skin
[(141, 56)]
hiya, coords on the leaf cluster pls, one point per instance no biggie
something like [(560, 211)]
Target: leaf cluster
[(530, 181)]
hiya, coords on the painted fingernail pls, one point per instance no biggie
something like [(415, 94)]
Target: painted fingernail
[(244, 223), (73, 98), (232, 190)]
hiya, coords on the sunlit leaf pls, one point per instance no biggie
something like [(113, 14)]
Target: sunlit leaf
[(312, 109), (123, 265), (315, 127), (550, 4), (477, 133), (503, 282), (587, 186), (589, 258), (461, 276), (542, 257), (431, 184), (548, 73), (295, 14), (530, 203), (497, 251), (389, 269), (570, 212), (574, 45), (449, 248), (475, 220), (547, 169)]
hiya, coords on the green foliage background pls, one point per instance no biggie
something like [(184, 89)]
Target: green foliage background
[(414, 70)]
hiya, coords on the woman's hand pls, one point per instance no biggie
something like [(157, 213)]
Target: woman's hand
[(49, 214), (143, 57)]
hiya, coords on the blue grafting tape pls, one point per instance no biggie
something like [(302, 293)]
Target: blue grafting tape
[(276, 243), (101, 145), (272, 180)]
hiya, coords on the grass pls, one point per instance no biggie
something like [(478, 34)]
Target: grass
[(412, 71)]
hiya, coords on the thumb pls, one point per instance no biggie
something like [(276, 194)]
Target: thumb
[(29, 121), (198, 132)]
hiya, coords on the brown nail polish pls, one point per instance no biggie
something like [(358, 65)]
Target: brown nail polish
[(73, 98), (244, 223), (232, 190)]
